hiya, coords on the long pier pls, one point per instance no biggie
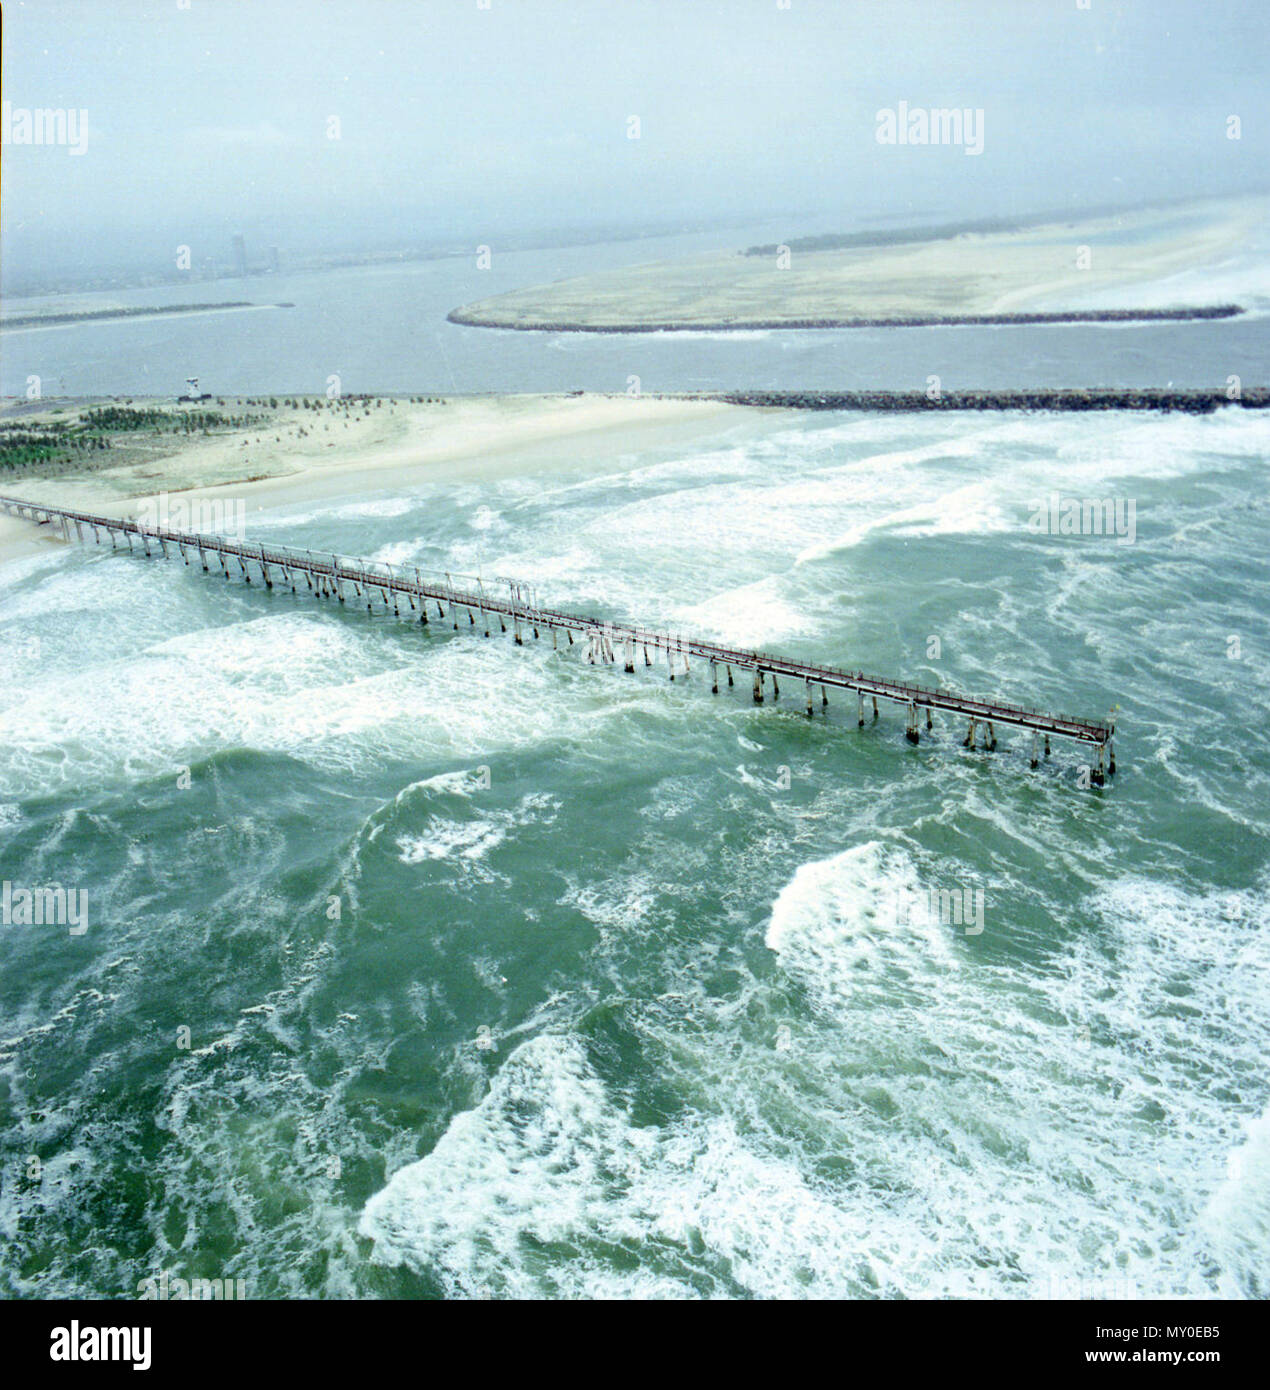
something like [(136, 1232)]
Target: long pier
[(329, 575)]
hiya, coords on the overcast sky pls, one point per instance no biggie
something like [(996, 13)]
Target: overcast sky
[(459, 121)]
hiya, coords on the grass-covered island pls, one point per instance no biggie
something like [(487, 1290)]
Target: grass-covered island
[(1133, 266)]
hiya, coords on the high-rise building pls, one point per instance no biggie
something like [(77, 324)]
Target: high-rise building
[(273, 259), (240, 254)]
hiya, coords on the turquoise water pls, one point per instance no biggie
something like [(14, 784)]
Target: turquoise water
[(508, 975)]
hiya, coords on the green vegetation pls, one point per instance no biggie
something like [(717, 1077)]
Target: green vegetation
[(84, 442), (63, 440)]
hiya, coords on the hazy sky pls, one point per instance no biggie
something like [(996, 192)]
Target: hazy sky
[(461, 121)]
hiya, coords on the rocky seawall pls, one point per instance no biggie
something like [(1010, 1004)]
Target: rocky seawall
[(1190, 402), (472, 318)]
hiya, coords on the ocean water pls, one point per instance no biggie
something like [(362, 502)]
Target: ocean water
[(422, 965)]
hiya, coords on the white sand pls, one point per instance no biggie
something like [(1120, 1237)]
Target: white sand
[(465, 439)]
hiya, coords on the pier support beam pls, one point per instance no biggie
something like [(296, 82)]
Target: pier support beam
[(758, 686), (969, 740), (911, 731), (860, 695), (810, 711), (875, 708), (1036, 738), (714, 679), (1096, 776), (991, 742)]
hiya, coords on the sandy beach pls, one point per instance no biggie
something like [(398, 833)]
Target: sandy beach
[(396, 444), (1033, 269)]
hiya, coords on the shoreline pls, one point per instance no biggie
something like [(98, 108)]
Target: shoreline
[(466, 319), (462, 441), (27, 323), (487, 438)]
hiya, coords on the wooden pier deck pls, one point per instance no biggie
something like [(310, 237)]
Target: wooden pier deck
[(328, 575)]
